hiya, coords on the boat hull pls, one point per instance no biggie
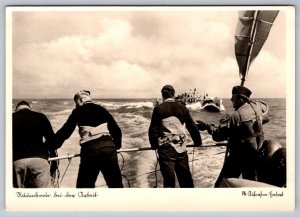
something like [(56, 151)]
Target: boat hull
[(211, 107)]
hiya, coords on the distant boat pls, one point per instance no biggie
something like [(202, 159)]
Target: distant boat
[(196, 101)]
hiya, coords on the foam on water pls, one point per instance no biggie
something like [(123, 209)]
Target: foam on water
[(63, 112), (129, 105), (194, 106), (135, 131)]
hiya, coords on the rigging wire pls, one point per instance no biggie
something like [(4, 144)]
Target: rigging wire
[(70, 160), (127, 179), (128, 183), (123, 163), (155, 169), (54, 175), (55, 179), (193, 162)]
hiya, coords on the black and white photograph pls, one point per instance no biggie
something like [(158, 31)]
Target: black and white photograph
[(186, 108)]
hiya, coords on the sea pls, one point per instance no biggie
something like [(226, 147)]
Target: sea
[(140, 168)]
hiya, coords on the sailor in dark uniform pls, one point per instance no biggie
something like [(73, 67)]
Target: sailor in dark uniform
[(244, 132), (167, 135), (33, 138), (100, 139)]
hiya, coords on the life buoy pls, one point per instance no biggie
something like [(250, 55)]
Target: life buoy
[(268, 148)]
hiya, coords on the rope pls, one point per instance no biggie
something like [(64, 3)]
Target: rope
[(56, 173), (155, 170), (70, 159), (123, 163), (126, 180), (55, 179), (193, 162)]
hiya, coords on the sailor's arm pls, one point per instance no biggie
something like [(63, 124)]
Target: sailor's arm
[(67, 129), (114, 131), (193, 129), (219, 133)]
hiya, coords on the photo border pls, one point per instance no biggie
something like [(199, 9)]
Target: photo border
[(5, 96)]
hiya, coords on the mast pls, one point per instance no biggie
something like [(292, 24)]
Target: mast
[(252, 41)]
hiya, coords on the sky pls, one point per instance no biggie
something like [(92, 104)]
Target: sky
[(133, 53)]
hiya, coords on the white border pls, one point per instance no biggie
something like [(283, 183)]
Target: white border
[(197, 199)]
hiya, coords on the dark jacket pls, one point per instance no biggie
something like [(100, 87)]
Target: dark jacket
[(167, 109), (90, 114), (29, 130)]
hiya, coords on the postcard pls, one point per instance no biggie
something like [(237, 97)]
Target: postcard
[(150, 108)]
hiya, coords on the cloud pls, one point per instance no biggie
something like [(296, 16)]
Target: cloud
[(130, 54), (268, 75)]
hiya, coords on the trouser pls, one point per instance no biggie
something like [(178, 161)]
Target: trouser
[(231, 169), (244, 164), (249, 164), (172, 163), (31, 173), (103, 159)]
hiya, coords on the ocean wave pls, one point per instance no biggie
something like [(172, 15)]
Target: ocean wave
[(194, 106), (65, 111), (129, 105), (139, 105)]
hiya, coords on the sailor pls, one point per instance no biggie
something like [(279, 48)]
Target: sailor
[(244, 132), (271, 167), (100, 138), (167, 135), (31, 168)]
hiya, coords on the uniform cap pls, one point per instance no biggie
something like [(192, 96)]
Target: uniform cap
[(81, 94), (240, 90)]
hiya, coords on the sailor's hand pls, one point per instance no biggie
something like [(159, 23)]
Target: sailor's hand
[(202, 126)]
